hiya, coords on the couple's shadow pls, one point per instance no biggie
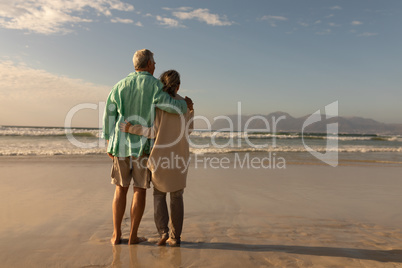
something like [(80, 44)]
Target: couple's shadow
[(174, 255), (362, 254)]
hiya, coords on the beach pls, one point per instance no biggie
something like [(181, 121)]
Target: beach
[(283, 118), (57, 213)]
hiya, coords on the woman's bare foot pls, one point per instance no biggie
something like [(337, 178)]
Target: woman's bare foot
[(174, 243), (162, 241), (136, 240), (116, 239)]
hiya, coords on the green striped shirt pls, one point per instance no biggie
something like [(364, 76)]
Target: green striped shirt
[(134, 99)]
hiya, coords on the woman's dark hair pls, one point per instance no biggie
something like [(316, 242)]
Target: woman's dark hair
[(171, 81)]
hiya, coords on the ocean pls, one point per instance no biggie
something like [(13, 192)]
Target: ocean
[(49, 141)]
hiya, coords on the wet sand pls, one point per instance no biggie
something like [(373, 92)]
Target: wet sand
[(56, 212)]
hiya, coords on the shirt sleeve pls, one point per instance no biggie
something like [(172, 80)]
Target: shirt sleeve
[(166, 103), (109, 116)]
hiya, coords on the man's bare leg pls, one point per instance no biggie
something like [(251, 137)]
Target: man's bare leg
[(119, 207), (137, 210)]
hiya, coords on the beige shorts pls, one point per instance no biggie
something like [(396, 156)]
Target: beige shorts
[(126, 168)]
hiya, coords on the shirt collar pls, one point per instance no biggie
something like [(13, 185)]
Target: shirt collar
[(142, 72)]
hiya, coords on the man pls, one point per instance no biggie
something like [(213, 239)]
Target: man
[(133, 99)]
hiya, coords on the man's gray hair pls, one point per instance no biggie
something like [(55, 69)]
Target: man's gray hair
[(141, 58)]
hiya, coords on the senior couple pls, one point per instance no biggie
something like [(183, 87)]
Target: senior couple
[(145, 120)]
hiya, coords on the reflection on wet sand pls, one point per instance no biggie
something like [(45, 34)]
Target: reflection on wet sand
[(146, 255)]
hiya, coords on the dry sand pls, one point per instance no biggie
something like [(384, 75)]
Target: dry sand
[(56, 212)]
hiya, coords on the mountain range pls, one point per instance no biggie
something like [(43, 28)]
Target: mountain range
[(286, 123)]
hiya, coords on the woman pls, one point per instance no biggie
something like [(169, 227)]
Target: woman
[(168, 161)]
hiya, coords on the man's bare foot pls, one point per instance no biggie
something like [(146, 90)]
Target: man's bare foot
[(116, 239), (162, 241), (136, 240)]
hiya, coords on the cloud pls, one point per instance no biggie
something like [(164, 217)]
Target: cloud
[(177, 9), (356, 22), (42, 98), (19, 81), (336, 8), (367, 34), (169, 22), (54, 16), (120, 20), (201, 14), (324, 32), (303, 24), (333, 24), (273, 19), (269, 17)]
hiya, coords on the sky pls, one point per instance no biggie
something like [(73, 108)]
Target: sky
[(59, 59)]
